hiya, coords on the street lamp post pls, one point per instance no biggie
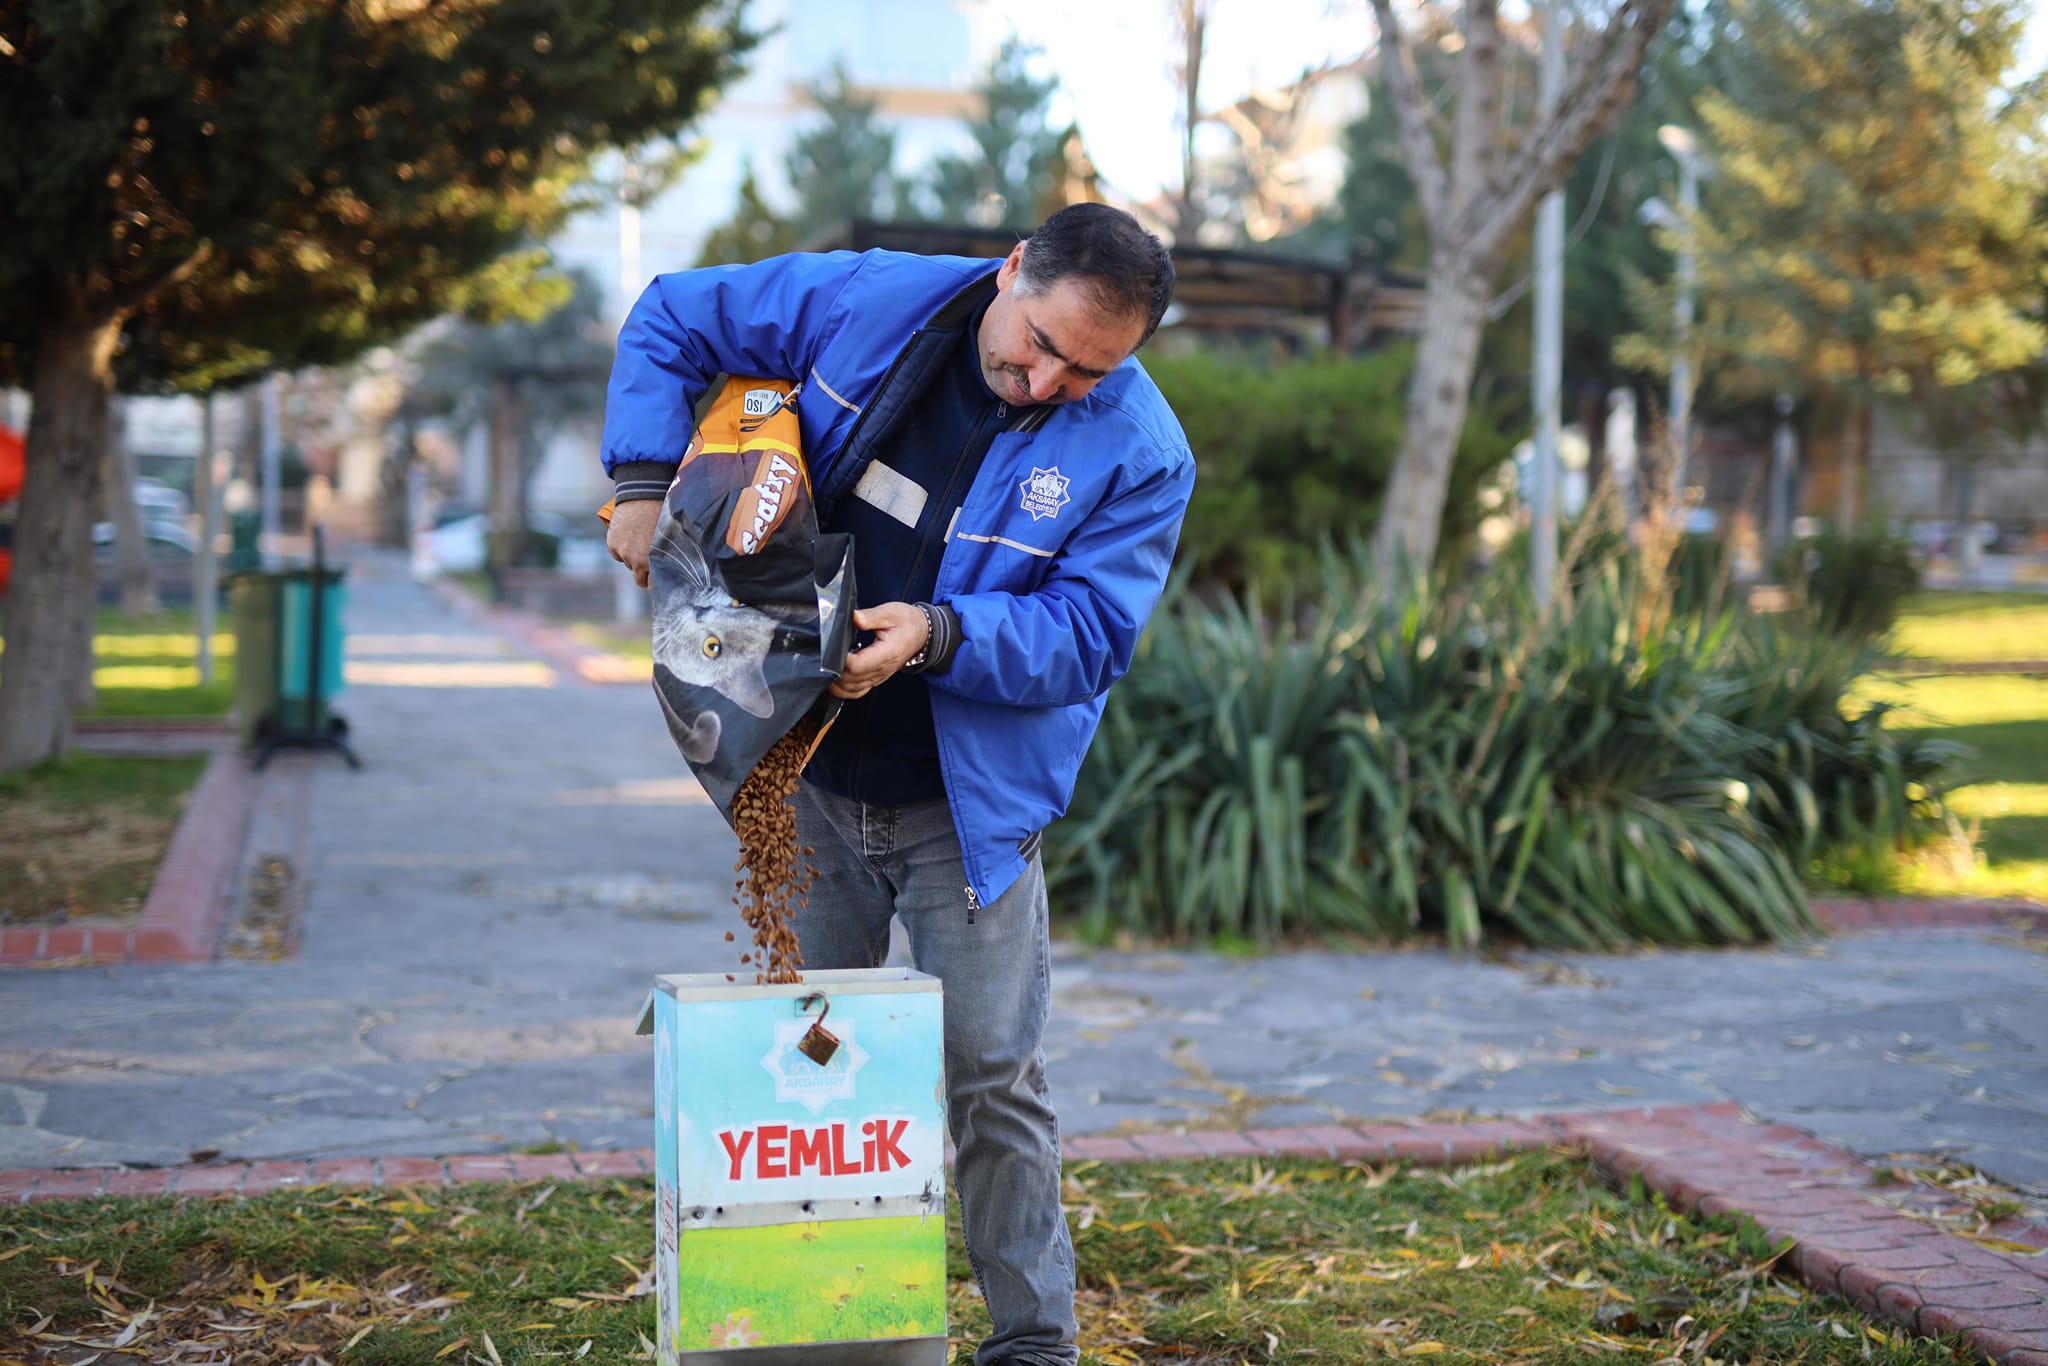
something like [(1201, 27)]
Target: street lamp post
[(1548, 370), (1684, 149)]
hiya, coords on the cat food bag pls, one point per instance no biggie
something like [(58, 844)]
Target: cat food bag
[(752, 605)]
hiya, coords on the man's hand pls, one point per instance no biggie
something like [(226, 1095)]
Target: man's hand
[(631, 536), (900, 632)]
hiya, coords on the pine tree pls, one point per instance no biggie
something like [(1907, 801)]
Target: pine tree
[(1872, 230), (753, 233), (843, 168), (1017, 146), (281, 181), (529, 380)]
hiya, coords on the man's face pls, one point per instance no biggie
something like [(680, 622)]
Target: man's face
[(1051, 347)]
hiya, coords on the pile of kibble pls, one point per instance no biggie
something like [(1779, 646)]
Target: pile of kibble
[(774, 878)]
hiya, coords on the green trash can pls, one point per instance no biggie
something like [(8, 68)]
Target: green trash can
[(252, 607), (296, 655), (289, 649)]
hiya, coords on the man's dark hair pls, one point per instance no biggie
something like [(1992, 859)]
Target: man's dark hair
[(1127, 271)]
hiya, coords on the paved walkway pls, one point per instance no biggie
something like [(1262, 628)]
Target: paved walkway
[(484, 903)]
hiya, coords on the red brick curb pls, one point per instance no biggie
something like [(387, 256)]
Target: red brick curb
[(182, 915), (1853, 1235), (1843, 913)]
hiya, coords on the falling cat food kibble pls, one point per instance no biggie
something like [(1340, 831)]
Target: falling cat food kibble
[(774, 877)]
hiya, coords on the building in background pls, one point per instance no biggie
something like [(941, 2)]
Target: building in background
[(916, 59)]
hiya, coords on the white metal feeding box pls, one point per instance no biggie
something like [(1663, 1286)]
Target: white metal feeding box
[(799, 1206)]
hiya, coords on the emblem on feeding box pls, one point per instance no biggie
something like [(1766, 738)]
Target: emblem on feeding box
[(808, 1083)]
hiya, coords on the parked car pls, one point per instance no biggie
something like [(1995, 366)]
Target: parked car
[(168, 542), (171, 551), (159, 502), (462, 545)]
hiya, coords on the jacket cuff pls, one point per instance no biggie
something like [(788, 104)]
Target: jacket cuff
[(641, 480), (945, 641)]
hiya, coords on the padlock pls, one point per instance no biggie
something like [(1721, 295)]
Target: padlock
[(818, 1043)]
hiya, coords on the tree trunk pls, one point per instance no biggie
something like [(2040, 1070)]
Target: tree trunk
[(50, 606), (1593, 424), (394, 480), (85, 691), (1969, 555), (1454, 313), (1855, 455), (508, 475), (131, 541), (204, 566)]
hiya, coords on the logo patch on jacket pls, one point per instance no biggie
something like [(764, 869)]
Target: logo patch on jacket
[(1045, 493)]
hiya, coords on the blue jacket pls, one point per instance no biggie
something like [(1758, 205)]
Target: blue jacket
[(1057, 556)]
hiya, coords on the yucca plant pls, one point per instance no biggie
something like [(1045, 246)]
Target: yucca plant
[(1609, 772)]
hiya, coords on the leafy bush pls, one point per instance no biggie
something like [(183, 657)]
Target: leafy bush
[(1612, 772), (1295, 453), (1853, 582)]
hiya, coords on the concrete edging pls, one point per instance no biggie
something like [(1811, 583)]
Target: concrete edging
[(1853, 1235), (181, 917)]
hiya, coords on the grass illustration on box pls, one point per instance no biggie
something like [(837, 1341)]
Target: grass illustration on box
[(833, 1281)]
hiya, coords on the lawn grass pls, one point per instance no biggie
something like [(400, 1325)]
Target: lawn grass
[(82, 837), (1972, 627), (2001, 785), (1528, 1260), (148, 666)]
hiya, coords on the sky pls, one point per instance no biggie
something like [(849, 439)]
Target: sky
[(1114, 60), (1115, 63)]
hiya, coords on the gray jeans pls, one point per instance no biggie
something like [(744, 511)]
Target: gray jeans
[(875, 862)]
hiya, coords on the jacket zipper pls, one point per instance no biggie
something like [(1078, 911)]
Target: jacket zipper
[(973, 905), (851, 443), (860, 423), (924, 543)]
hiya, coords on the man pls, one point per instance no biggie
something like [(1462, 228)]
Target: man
[(1014, 485)]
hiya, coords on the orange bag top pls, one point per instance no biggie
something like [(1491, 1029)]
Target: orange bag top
[(752, 417)]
